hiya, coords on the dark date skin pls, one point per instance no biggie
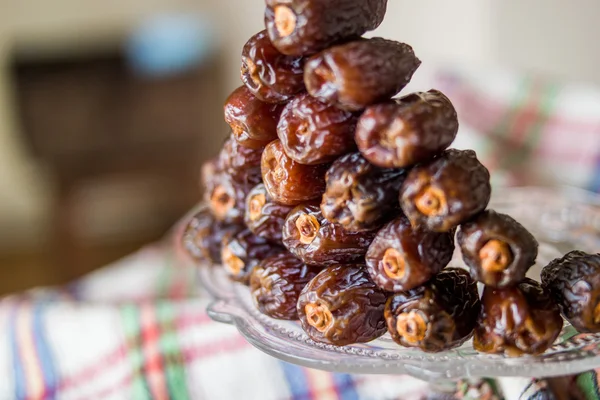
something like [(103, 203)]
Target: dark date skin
[(287, 181), (498, 250), (341, 306), (402, 258), (271, 76), (384, 68), (241, 163), (447, 191), (313, 132), (242, 252), (264, 217), (516, 321), (435, 317), (226, 198), (276, 283), (303, 27), (360, 196), (574, 283), (253, 122), (316, 241), (410, 130)]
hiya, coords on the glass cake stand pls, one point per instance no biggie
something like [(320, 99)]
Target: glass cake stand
[(562, 220)]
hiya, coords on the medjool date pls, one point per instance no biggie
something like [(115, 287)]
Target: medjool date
[(359, 195), (301, 27), (313, 239), (411, 130), (276, 284), (518, 320), (241, 163), (449, 190), (402, 257), (498, 250), (227, 198), (313, 132), (270, 75), (264, 217), (574, 282), (358, 74), (341, 305), (287, 181)]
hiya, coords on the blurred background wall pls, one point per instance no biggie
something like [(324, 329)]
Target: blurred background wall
[(39, 39)]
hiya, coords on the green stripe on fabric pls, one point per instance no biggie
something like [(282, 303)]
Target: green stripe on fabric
[(588, 383), (521, 96), (131, 320), (170, 349)]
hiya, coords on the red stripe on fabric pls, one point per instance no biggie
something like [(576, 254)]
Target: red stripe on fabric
[(34, 376), (153, 365)]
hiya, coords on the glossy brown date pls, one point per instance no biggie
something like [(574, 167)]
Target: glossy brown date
[(316, 241), (253, 122), (226, 198), (574, 283), (264, 217), (498, 250), (411, 130), (449, 190), (341, 306), (516, 321), (360, 196), (358, 74), (270, 75), (435, 317), (313, 132), (402, 257), (241, 163), (289, 182), (302, 27), (276, 284)]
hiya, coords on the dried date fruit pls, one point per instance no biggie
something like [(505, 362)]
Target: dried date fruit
[(270, 75), (447, 191), (438, 316), (276, 284), (341, 306), (253, 122), (411, 130), (210, 171), (402, 257), (518, 320), (241, 163), (264, 217), (359, 195), (358, 74), (227, 198), (302, 27), (287, 181), (498, 250), (241, 252), (316, 241), (203, 235), (574, 282), (313, 132)]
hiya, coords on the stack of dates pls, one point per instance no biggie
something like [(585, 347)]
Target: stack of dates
[(340, 205)]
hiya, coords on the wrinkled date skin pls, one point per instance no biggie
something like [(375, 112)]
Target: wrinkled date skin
[(270, 75), (358, 74), (516, 321), (288, 182), (359, 195), (438, 316), (411, 130), (402, 258), (303, 27), (241, 163), (341, 306), (276, 284), (447, 191), (203, 235), (264, 217), (241, 252), (253, 122), (313, 132), (498, 250), (209, 172), (227, 198), (574, 282), (316, 241)]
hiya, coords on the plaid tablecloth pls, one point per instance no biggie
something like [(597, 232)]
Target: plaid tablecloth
[(138, 330)]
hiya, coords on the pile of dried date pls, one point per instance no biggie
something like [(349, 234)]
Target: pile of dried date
[(340, 205)]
